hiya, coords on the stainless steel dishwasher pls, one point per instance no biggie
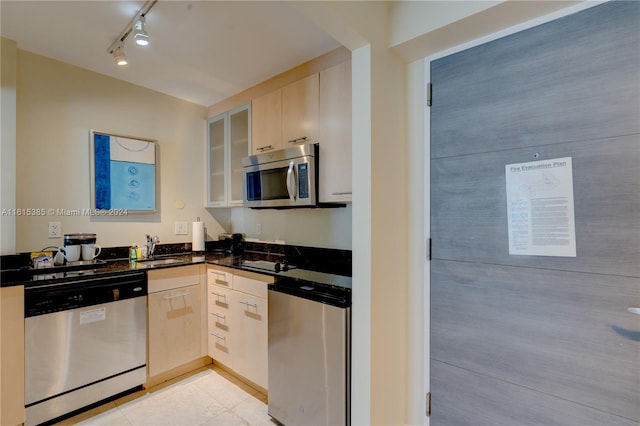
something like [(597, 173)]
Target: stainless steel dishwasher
[(85, 341), (309, 353)]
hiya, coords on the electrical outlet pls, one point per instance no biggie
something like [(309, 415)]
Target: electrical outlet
[(55, 229), (181, 228), (258, 228)]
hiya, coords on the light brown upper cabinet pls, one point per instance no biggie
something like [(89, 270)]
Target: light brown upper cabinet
[(315, 109), (300, 111), (287, 116), (266, 122), (335, 134)]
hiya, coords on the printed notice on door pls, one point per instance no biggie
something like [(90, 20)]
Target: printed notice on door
[(540, 211)]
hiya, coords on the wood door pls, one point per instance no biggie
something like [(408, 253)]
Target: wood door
[(249, 316), (522, 339), (300, 111), (335, 134), (174, 328), (266, 122)]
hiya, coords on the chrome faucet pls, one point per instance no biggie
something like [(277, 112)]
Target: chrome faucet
[(151, 245)]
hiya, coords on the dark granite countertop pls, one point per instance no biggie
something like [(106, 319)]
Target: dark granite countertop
[(319, 275)]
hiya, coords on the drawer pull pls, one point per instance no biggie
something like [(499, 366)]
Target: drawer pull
[(175, 296), (247, 304), (218, 294), (264, 148), (222, 317), (342, 193), (221, 282), (218, 337)]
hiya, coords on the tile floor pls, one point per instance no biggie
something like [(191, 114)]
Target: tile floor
[(208, 396)]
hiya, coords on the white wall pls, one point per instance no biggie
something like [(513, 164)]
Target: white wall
[(57, 105), (8, 145), (412, 19), (325, 227)]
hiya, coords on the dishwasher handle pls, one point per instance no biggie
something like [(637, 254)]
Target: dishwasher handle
[(338, 297)]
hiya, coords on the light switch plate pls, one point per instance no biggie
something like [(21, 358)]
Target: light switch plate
[(181, 228)]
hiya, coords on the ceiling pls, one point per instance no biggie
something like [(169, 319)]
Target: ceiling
[(199, 51)]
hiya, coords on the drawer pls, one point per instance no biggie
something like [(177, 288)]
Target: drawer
[(254, 284), (218, 346), (221, 277), (219, 319), (218, 298), (175, 277)]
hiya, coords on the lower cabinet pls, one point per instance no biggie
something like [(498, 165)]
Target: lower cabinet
[(237, 322), (249, 318), (174, 318), (12, 356)]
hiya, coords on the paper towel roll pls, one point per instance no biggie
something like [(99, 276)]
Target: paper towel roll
[(197, 243)]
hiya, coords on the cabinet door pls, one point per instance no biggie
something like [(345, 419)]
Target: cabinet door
[(300, 111), (249, 317), (174, 328), (266, 122), (215, 195), (335, 134), (239, 134), (12, 355)]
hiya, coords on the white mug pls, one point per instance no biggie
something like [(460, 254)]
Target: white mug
[(90, 251), (71, 252)]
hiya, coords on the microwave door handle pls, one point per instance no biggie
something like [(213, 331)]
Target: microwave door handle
[(291, 189)]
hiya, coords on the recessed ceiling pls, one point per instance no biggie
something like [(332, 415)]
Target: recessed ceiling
[(200, 51)]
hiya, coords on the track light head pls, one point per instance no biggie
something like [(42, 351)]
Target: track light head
[(119, 56), (140, 34), (136, 27)]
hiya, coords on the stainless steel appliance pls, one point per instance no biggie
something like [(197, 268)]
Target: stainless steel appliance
[(281, 179), (85, 341), (309, 353)]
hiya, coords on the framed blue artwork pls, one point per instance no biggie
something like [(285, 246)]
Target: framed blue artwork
[(123, 173)]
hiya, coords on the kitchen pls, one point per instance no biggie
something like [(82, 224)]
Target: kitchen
[(375, 226)]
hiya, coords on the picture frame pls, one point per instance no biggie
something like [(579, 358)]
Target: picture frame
[(124, 173)]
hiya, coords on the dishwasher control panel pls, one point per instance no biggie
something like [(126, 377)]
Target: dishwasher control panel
[(74, 294)]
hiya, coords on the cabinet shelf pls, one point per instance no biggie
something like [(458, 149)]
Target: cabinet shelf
[(242, 141)]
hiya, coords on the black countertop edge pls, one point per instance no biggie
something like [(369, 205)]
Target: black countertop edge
[(115, 267)]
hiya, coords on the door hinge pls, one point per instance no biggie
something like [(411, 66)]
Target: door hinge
[(429, 94), (429, 248), (428, 404)]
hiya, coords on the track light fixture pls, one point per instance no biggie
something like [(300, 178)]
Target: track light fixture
[(137, 26), (119, 56), (140, 32)]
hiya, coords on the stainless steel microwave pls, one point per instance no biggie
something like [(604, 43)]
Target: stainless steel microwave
[(281, 179)]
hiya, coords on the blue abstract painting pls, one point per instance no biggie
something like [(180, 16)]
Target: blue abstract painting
[(124, 173)]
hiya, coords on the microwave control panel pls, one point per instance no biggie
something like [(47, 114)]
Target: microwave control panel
[(303, 181)]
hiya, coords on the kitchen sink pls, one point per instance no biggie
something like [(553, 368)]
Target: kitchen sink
[(157, 262)]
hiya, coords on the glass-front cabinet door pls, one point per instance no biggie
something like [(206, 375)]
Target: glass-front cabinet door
[(239, 147), (215, 157), (228, 141)]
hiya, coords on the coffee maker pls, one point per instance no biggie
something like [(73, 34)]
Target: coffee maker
[(232, 243)]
